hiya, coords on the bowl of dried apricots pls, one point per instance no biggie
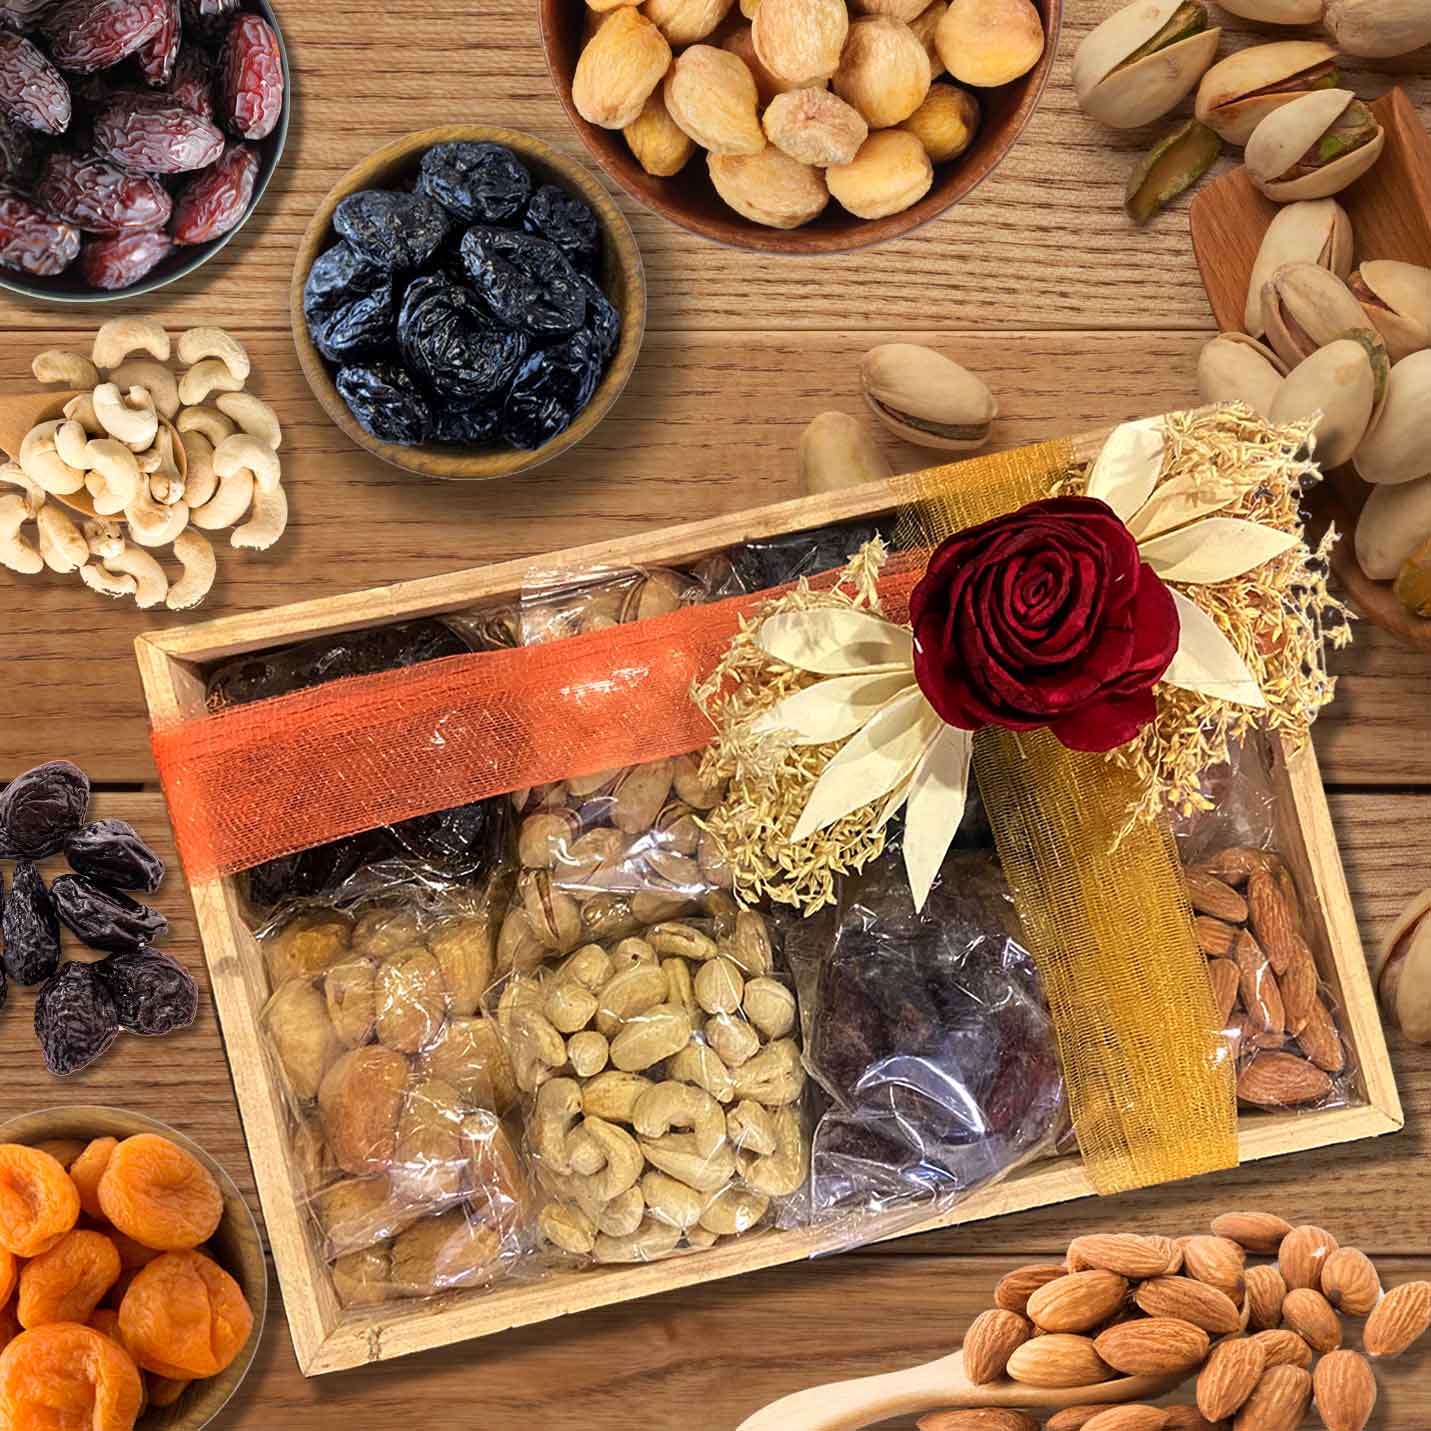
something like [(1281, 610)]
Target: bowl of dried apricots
[(133, 1286)]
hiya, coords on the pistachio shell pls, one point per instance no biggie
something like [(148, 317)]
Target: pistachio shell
[(1231, 97), (1236, 368), (1394, 522), (1378, 29), (1396, 448), (1275, 12), (1286, 134), (837, 450), (1126, 95), (1174, 164), (1397, 299), (1338, 383), (1305, 307), (1406, 986), (1412, 587), (1315, 231), (926, 398)]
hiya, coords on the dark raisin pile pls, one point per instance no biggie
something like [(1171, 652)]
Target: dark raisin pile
[(81, 1007), (468, 310)]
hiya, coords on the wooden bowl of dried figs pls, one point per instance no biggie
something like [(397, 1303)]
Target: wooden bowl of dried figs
[(800, 126)]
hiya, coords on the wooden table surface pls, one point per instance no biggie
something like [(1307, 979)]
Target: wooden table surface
[(1039, 283)]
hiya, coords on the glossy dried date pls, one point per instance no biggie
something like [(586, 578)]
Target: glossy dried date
[(32, 91), (157, 134), (89, 35), (75, 1019), (110, 852), (99, 197), (251, 78), (32, 240), (216, 198), (153, 994), (124, 259), (30, 929), (157, 54), (207, 19), (42, 808), (192, 84), (103, 919)]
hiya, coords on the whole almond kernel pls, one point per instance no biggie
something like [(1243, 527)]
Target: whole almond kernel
[(1345, 1389), (1401, 1317), (1298, 987), (1253, 1231), (1284, 1348), (1125, 1253), (1260, 995), (1231, 1375), (1279, 1402), (1074, 1418), (1132, 1417), (1015, 1289), (1057, 1361), (1320, 1040), (1303, 1254), (1209, 895), (1226, 981), (1214, 938), (1235, 864), (990, 1341), (978, 1419), (1187, 1418), (1281, 1080), (1350, 1282), (1219, 1262), (1274, 921), (1206, 1307), (1157, 1346), (1078, 1302), (1310, 1315), (1266, 1291)]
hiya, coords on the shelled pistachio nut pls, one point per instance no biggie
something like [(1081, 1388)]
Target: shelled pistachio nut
[(1313, 231), (1238, 93), (1304, 307), (1396, 450), (1143, 60), (1397, 298), (1394, 522), (1403, 972), (1276, 12), (1174, 164), (1378, 29), (837, 450), (926, 398), (1314, 147), (1412, 587), (1336, 385), (1236, 368)]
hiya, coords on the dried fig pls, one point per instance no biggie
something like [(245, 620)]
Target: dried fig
[(618, 69), (770, 187), (411, 1001), (800, 40), (884, 71), (660, 145), (308, 944), (815, 127), (364, 1279), (360, 1101), (767, 85), (351, 994), (988, 43), (302, 1034), (890, 173), (463, 947), (945, 123), (358, 1212), (711, 95), (440, 1253), (470, 1055), (684, 22), (430, 1162)]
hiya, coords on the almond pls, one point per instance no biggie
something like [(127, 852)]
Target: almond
[(1209, 895), (1074, 1418), (1125, 1253), (1260, 995), (1310, 1315), (1350, 1282), (1281, 1080), (1187, 1418), (1196, 1302), (1214, 938), (1303, 1254), (1230, 1377), (1320, 1040), (1058, 1360), (1298, 987), (1284, 1348), (1279, 1403), (1266, 1291), (1253, 1231), (1219, 1262), (1014, 1290), (977, 1419), (1345, 1389), (1236, 864), (1078, 1302), (1401, 1318), (1274, 921), (990, 1342), (1132, 1417), (1226, 980), (1158, 1346)]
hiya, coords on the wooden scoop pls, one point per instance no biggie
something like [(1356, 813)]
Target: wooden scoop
[(937, 1385)]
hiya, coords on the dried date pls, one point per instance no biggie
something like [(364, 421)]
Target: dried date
[(566, 221), (251, 78), (89, 35), (216, 198), (42, 808), (19, 154), (476, 183), (156, 56), (22, 14), (192, 84), (386, 402), (153, 994), (207, 19), (448, 339), (110, 852), (30, 928), (525, 282), (552, 387), (156, 134), (103, 919), (32, 91), (350, 305), (397, 232), (34, 241), (75, 1019), (122, 260), (99, 197)]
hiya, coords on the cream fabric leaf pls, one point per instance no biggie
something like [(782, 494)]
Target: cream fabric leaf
[(872, 762), (1207, 662), (897, 797), (1129, 466), (937, 796), (835, 642), (1184, 500), (832, 709), (1214, 550)]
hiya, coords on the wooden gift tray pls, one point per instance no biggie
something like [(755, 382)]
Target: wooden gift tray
[(327, 1339)]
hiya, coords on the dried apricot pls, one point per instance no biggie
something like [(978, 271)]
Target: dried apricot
[(132, 1255), (184, 1317), (69, 1281), (156, 1193), (88, 1169), (105, 1320), (9, 1325), (66, 1376), (164, 1390), (38, 1202), (9, 1275)]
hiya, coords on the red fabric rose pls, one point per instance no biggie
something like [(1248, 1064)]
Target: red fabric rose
[(1044, 617)]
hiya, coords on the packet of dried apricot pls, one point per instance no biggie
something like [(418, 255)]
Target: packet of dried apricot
[(71, 1370), (161, 1196), (38, 1201), (184, 1317), (69, 1281)]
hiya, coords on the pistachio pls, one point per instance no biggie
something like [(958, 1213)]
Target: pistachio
[(1395, 450), (988, 43), (1276, 12), (883, 73), (1314, 147), (890, 172), (711, 95), (552, 915), (1305, 307), (1143, 60), (1239, 92), (1397, 298), (1403, 975), (545, 838), (770, 187), (837, 450), (660, 145), (926, 398), (639, 795), (946, 123), (1394, 522), (1337, 386), (1412, 587), (1378, 29), (1313, 231), (1236, 368), (1173, 165)]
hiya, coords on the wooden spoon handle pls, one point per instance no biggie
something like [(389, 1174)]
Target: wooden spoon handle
[(850, 1405)]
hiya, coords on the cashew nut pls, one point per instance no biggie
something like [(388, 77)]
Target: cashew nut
[(557, 1109), (129, 417), (62, 546), (115, 478), (733, 1210), (15, 552), (120, 337), (650, 1241), (59, 365), (612, 1095), (774, 1076), (202, 481), (268, 522), (72, 443), (253, 415), (590, 966), (40, 461), (152, 586), (680, 1105), (733, 1039), (228, 504), (623, 1160), (672, 1201), (700, 1064), (780, 1173), (243, 450), (196, 557), (81, 410), (567, 1227), (166, 490), (585, 1154), (678, 1155), (209, 376), (16, 476), (154, 378), (622, 1215), (651, 1036), (770, 1006), (629, 993), (200, 343), (104, 581), (679, 987), (208, 420), (719, 986), (569, 1005), (152, 524), (104, 539), (587, 1053), (752, 1128)]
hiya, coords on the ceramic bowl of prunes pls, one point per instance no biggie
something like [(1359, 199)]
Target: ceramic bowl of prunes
[(468, 303)]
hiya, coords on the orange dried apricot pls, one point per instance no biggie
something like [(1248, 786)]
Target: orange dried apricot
[(9, 1274), (156, 1193), (132, 1255), (184, 1317), (69, 1281), (9, 1325), (163, 1390), (88, 1168), (66, 1377), (38, 1201)]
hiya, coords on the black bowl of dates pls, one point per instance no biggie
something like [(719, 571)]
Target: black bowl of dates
[(136, 137), (468, 303)]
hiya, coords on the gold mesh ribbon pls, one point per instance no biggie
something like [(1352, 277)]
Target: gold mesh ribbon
[(1107, 921)]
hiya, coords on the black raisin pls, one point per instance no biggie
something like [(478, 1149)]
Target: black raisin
[(448, 340), (603, 321), (104, 919), (75, 1019), (550, 390), (456, 841), (479, 183), (153, 994), (111, 853), (525, 282), (32, 932), (42, 808), (395, 231), (469, 424), (349, 305), (566, 221), (386, 402)]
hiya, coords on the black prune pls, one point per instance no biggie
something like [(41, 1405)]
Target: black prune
[(525, 282), (349, 305), (31, 930), (479, 183), (75, 1019), (319, 871), (104, 919), (774, 561), (551, 388), (111, 853), (603, 321), (454, 842), (566, 221), (386, 402), (40, 809), (448, 339), (393, 230), (153, 994), (467, 423)]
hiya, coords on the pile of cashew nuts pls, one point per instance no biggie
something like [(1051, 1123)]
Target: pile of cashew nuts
[(116, 444)]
